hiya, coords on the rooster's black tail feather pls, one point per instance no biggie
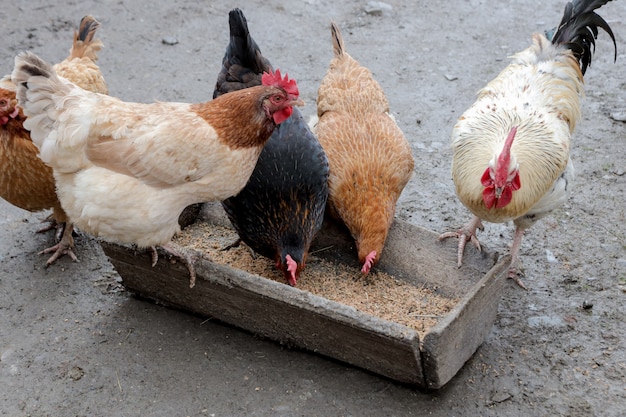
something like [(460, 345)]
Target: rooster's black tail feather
[(578, 29)]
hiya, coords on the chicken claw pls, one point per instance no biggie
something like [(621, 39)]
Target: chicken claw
[(64, 247), (59, 250), (180, 253), (514, 274), (467, 232), (154, 255), (51, 224)]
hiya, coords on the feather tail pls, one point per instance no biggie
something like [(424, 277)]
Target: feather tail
[(243, 61), (338, 46), (84, 44), (36, 85), (578, 30)]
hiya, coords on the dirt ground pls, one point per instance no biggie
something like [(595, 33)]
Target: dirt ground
[(74, 343)]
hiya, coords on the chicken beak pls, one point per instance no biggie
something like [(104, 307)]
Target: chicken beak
[(298, 103)]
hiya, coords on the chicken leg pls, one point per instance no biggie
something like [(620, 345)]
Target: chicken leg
[(468, 233), (179, 252), (64, 247), (465, 234), (513, 269)]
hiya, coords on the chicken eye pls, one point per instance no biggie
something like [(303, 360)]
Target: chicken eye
[(3, 102), (277, 99)]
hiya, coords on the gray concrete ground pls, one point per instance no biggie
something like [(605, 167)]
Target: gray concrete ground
[(74, 343)]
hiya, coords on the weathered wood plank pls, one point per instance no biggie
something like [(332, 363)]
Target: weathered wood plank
[(455, 338), (298, 318), (276, 311)]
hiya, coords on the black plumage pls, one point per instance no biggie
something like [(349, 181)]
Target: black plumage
[(578, 29), (243, 62), (281, 208)]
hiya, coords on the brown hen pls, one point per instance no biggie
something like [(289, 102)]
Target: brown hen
[(370, 159), (126, 171)]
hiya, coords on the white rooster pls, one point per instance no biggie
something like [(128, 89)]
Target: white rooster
[(512, 146)]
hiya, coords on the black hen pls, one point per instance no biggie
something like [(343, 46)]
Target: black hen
[(281, 208)]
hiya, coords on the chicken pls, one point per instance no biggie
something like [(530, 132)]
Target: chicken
[(281, 208), (370, 159), (125, 171), (25, 180), (80, 66), (511, 148)]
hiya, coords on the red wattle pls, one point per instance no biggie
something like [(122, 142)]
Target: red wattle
[(516, 184), (505, 197), (282, 115), (486, 180), (489, 196)]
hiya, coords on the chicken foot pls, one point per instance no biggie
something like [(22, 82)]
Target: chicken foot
[(179, 252), (51, 224), (65, 245), (465, 234), (514, 272)]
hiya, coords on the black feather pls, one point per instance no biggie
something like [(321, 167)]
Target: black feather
[(243, 62), (578, 30), (87, 28), (281, 208)]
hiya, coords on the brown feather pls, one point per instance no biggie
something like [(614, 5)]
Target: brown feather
[(80, 66), (370, 159), (25, 180), (239, 131)]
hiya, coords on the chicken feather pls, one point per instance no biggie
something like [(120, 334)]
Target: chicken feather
[(25, 180), (370, 159), (125, 171), (511, 148)]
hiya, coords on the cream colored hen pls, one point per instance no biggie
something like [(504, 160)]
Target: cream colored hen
[(125, 171)]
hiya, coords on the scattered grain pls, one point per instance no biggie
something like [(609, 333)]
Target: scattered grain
[(378, 294)]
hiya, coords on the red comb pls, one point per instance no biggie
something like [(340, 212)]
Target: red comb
[(502, 167), (275, 79)]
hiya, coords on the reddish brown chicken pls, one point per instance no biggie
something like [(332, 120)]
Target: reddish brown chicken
[(511, 148), (25, 180), (125, 171), (370, 159)]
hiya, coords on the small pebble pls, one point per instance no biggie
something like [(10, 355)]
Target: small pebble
[(619, 116), (587, 305), (378, 8), (169, 40), (500, 397), (76, 373)]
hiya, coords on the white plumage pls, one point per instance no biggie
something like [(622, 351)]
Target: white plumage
[(511, 148)]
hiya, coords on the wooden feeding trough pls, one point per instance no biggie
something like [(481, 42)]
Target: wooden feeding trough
[(426, 356)]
